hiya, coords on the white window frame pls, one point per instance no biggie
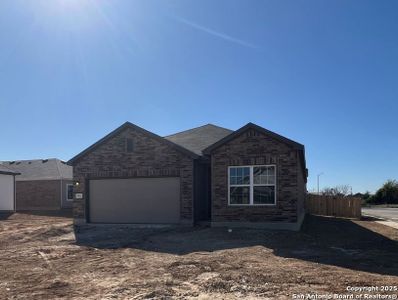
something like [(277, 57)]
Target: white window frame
[(251, 186), (67, 188)]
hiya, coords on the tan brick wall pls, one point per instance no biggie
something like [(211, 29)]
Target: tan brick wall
[(38, 195), (255, 148), (150, 158)]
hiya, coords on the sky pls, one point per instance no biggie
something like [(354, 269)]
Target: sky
[(323, 73)]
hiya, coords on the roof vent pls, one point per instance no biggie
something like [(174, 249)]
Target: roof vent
[(44, 161), (18, 163), (30, 162), (12, 162)]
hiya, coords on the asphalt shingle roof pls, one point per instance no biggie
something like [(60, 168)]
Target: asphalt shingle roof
[(198, 139), (40, 169), (5, 170)]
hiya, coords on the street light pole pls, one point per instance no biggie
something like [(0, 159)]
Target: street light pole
[(318, 180)]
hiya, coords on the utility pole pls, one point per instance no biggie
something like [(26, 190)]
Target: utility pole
[(319, 175)]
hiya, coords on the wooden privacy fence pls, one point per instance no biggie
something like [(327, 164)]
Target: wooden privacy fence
[(347, 207)]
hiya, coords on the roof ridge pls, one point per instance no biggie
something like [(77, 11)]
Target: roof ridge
[(41, 168), (35, 159), (195, 128)]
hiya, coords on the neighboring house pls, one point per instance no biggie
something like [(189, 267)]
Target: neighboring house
[(247, 177), (7, 189), (44, 184)]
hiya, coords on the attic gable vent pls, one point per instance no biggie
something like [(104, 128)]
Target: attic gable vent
[(251, 133), (129, 145)]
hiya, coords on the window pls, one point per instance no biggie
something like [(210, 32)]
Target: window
[(252, 185), (129, 145), (69, 192)]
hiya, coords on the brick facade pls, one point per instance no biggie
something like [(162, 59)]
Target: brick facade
[(150, 158), (256, 148), (38, 195)]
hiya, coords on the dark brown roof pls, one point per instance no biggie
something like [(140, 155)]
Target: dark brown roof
[(199, 138)]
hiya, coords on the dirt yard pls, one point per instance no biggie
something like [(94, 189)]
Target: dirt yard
[(42, 257)]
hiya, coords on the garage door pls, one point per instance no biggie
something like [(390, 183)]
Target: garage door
[(138, 200)]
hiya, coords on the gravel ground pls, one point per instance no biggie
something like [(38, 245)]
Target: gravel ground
[(43, 257)]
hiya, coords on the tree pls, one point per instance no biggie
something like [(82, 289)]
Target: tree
[(387, 194), (340, 190), (364, 196)]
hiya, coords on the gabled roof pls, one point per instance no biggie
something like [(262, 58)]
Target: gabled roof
[(40, 169), (199, 138), (236, 133), (7, 171), (133, 127), (194, 142), (293, 144)]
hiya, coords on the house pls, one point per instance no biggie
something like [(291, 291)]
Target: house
[(248, 177), (7, 189), (44, 184)]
